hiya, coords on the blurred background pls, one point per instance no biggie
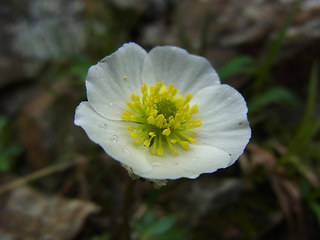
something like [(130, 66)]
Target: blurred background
[(57, 184)]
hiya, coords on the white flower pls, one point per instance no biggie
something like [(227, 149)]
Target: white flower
[(164, 114)]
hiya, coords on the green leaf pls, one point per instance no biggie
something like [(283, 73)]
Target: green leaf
[(238, 65), (6, 156), (272, 95), (148, 218), (312, 93), (3, 123), (310, 125), (145, 222), (4, 163), (8, 149), (160, 226), (316, 210)]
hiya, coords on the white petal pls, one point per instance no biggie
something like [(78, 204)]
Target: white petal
[(112, 136), (111, 82), (188, 163), (187, 72), (223, 112)]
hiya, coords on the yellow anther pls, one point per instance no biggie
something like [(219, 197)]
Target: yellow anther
[(179, 98), (187, 98), (194, 109), (153, 112), (166, 132), (125, 118), (163, 90), (173, 141), (152, 134), (174, 92), (130, 105), (191, 139), (134, 98), (135, 134), (127, 113), (147, 143), (144, 89), (160, 121), (152, 90), (159, 85), (151, 120), (184, 145)]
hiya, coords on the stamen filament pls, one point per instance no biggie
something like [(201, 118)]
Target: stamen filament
[(162, 119)]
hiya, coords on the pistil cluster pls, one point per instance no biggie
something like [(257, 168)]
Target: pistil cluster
[(162, 119)]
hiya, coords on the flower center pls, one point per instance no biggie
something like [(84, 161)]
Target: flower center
[(167, 108), (162, 119)]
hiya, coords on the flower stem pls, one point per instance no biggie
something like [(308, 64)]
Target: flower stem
[(126, 207)]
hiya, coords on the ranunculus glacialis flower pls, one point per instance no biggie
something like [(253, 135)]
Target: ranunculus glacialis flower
[(163, 114)]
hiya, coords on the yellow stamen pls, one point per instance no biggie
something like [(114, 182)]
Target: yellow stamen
[(185, 145), (166, 132), (134, 134), (162, 118), (173, 140)]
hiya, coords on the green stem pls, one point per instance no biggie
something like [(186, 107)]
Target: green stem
[(126, 207)]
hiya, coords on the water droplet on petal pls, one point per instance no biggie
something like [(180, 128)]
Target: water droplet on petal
[(126, 150), (229, 98), (114, 138), (103, 125), (110, 103), (193, 159)]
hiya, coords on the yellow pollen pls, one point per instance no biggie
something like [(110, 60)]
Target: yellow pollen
[(152, 134), (166, 132), (147, 143), (134, 134), (161, 118), (185, 145)]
